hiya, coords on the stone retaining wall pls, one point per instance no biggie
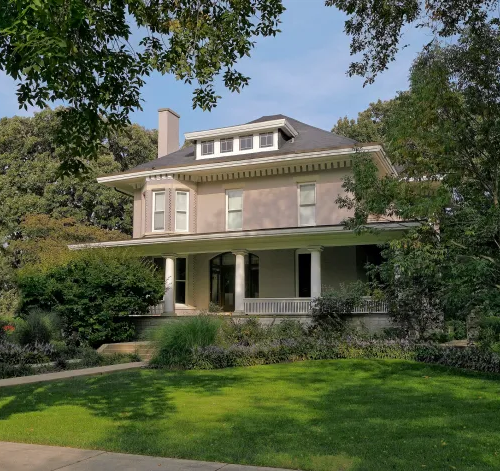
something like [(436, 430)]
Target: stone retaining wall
[(372, 322)]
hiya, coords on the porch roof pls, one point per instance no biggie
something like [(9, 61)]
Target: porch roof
[(263, 239)]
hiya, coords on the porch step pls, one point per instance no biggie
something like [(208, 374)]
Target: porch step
[(143, 349)]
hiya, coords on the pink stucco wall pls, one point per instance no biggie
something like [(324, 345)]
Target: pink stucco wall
[(268, 202)]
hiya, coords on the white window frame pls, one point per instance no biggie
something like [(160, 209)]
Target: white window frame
[(207, 142), (179, 211), (266, 134), (246, 137), (299, 205), (225, 140), (156, 194), (236, 190)]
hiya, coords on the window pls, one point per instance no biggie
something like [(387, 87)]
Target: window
[(234, 206), (158, 210), (266, 139), (181, 211), (307, 204), (246, 142), (180, 280), (207, 147), (226, 145)]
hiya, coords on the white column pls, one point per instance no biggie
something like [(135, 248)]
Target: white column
[(239, 281), (315, 271), (169, 298)]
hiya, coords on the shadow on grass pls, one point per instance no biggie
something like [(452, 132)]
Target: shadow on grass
[(320, 416)]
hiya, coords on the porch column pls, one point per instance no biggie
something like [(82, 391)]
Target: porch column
[(169, 297), (315, 271), (239, 281)]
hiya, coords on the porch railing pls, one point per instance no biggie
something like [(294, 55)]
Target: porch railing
[(157, 310), (302, 306), (290, 306)]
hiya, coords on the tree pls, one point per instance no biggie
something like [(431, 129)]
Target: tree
[(81, 53), (445, 135), (370, 125), (30, 184), (377, 28)]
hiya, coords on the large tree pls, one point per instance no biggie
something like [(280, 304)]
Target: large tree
[(81, 53), (445, 135), (30, 184), (377, 27)]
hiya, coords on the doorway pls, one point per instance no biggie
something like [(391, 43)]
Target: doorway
[(222, 279), (304, 275)]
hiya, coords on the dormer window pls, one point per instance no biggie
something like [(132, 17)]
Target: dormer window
[(246, 142), (207, 147), (226, 145), (266, 139)]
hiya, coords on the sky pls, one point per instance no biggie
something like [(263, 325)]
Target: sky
[(300, 73)]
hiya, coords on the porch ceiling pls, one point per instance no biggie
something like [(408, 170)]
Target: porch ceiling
[(268, 239)]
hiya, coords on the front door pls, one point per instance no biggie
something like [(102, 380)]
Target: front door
[(304, 275), (222, 270)]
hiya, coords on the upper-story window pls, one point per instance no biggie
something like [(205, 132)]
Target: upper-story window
[(234, 210), (307, 204), (226, 145), (246, 142), (266, 139), (207, 147), (158, 210), (182, 211)]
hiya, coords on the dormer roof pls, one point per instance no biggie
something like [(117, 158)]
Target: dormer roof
[(308, 138)]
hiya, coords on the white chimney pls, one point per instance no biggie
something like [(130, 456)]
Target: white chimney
[(168, 131)]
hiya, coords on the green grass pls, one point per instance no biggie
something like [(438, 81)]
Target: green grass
[(318, 416)]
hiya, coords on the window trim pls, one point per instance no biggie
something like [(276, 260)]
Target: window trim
[(213, 147), (244, 137), (240, 190), (226, 139), (153, 212), (178, 211), (299, 205), (266, 134)]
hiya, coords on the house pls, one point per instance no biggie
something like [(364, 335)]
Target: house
[(245, 217)]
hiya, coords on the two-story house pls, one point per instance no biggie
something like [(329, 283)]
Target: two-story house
[(246, 218)]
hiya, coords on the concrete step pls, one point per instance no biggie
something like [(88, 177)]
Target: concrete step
[(143, 349)]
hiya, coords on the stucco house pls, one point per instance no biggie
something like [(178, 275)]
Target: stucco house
[(246, 218)]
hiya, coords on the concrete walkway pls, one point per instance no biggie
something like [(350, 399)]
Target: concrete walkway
[(98, 370), (23, 457)]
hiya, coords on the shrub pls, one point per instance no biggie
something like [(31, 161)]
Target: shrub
[(7, 328), (312, 348), (488, 336), (246, 332), (93, 293), (457, 329), (38, 327), (176, 340), (14, 354), (331, 308)]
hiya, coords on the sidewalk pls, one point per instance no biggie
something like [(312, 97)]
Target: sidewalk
[(23, 457), (98, 370)]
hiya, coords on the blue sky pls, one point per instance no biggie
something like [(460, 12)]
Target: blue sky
[(300, 73)]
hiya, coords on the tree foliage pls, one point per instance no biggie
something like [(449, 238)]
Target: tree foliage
[(444, 134), (377, 28), (369, 126), (30, 183), (93, 294), (81, 53)]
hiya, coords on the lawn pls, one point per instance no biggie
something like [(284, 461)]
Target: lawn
[(316, 416)]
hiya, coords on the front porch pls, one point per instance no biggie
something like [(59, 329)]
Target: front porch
[(263, 283)]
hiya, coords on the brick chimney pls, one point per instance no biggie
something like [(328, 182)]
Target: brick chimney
[(168, 131)]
